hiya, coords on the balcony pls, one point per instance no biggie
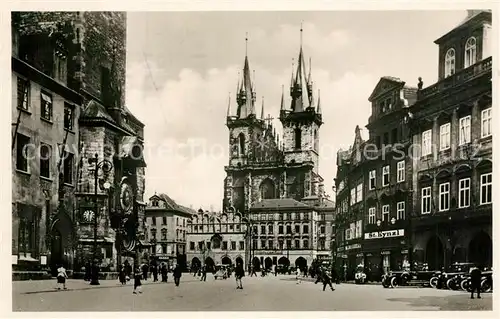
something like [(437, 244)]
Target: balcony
[(459, 78)]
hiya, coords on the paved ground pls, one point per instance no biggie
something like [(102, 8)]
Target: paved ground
[(259, 294)]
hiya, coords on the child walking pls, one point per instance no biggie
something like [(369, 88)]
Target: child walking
[(298, 275), (61, 277)]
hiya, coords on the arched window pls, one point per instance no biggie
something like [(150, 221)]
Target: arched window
[(315, 142), (449, 63), (267, 189), (241, 142), (298, 138), (470, 52)]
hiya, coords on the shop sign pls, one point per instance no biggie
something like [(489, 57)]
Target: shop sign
[(340, 249), (404, 251), (353, 246), (359, 255), (385, 253), (344, 256), (385, 234), (369, 255)]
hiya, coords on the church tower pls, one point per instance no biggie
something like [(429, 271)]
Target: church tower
[(301, 124)]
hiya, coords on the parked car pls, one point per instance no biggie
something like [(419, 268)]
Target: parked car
[(452, 278), (407, 277), (486, 282)]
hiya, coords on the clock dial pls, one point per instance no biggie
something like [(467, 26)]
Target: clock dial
[(88, 215), (126, 198)]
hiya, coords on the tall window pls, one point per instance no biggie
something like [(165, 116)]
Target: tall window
[(289, 243), (444, 197), (288, 229), (305, 244), (191, 245), (45, 157), (372, 177), (359, 193), (400, 210), (385, 213), (46, 106), (464, 134), (262, 229), (322, 229), (241, 142), (353, 196), (470, 52), (297, 244), (164, 234), (164, 220), (153, 221), (271, 230), (233, 245), (153, 234), (267, 189), (371, 215), (464, 193), (427, 143), (298, 138), (242, 245), (270, 244), (449, 63), (22, 152), (426, 200), (68, 116), (486, 122), (68, 168), (305, 229), (297, 229), (486, 184), (444, 136), (224, 245), (385, 175), (401, 171), (280, 229), (23, 89)]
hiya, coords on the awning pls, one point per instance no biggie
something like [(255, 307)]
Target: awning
[(99, 240), (130, 149)]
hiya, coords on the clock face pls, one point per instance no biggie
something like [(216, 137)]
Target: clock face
[(88, 215), (126, 198)]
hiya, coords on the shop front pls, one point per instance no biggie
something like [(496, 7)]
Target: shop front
[(351, 258), (385, 251)]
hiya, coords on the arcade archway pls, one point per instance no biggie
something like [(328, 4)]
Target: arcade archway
[(195, 263), (480, 250), (301, 263), (434, 253), (226, 260), (256, 263), (239, 260), (210, 264), (268, 262), (284, 261)]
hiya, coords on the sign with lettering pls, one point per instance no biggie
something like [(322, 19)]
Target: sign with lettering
[(385, 234), (353, 246)]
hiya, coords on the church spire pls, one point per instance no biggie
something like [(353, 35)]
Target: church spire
[(246, 93), (229, 106), (282, 97), (262, 109), (319, 102), (301, 87)]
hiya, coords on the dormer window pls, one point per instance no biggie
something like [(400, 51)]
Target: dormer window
[(298, 138), (449, 63), (155, 203), (470, 52)]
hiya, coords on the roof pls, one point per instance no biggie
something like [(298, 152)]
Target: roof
[(95, 109), (278, 204), (476, 15), (169, 201), (187, 210)]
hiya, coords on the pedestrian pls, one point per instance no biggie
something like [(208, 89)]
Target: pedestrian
[(61, 277), (275, 268), (121, 274), (203, 273), (252, 271), (145, 271), (319, 276), (327, 280), (137, 279), (298, 275), (177, 275), (239, 273), (164, 273), (155, 272), (475, 280), (88, 269)]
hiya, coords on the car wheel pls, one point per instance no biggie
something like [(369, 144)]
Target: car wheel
[(384, 284), (485, 286), (433, 282), (450, 284), (464, 285), (394, 282)]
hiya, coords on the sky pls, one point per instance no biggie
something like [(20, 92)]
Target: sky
[(182, 71)]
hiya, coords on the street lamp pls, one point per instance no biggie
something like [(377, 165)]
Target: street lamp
[(106, 167)]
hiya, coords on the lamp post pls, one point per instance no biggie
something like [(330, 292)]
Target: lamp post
[(105, 166)]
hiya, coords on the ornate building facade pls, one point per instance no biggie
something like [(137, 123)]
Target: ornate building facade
[(217, 238), (268, 178), (78, 59)]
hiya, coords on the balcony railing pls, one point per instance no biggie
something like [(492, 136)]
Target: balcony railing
[(458, 78)]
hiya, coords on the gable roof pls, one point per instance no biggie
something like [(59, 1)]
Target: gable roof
[(95, 110), (385, 84)]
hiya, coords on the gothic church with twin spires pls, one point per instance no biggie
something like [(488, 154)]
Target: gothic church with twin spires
[(263, 166)]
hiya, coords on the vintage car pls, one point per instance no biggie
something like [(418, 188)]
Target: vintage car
[(360, 275), (221, 272), (406, 278), (452, 278), (486, 282)]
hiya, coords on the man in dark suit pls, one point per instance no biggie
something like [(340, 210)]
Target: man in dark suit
[(475, 280)]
